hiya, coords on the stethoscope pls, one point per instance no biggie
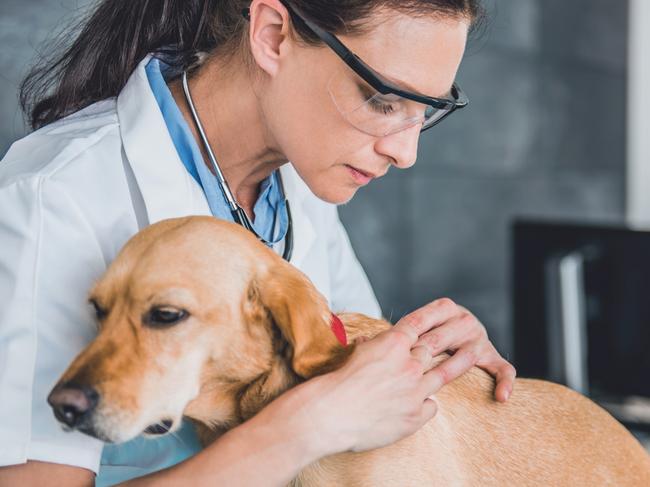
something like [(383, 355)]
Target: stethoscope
[(238, 213)]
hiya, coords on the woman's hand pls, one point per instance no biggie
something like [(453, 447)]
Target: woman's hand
[(445, 326), (379, 396), (382, 393)]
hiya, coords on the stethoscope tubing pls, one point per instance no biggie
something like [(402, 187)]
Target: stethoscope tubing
[(237, 211)]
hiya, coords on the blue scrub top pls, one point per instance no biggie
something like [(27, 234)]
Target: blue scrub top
[(269, 209), (141, 455)]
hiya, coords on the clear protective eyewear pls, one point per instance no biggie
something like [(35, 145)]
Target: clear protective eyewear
[(376, 113), (372, 103)]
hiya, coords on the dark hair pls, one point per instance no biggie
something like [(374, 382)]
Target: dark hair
[(118, 34)]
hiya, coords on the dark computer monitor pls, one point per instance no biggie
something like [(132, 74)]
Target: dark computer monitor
[(581, 296)]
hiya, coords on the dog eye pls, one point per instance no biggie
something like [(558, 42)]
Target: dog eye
[(162, 316), (100, 312)]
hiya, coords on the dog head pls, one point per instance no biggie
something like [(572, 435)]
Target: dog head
[(196, 318)]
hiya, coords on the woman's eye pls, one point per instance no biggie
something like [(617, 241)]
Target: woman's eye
[(163, 316), (380, 107), (375, 102)]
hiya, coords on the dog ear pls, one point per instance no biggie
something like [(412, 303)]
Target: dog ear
[(303, 316)]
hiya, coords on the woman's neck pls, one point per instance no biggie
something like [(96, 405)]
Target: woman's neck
[(235, 126)]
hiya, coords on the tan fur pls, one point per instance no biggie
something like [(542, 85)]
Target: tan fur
[(258, 327)]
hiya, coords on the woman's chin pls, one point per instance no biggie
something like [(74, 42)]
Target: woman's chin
[(337, 195), (333, 186)]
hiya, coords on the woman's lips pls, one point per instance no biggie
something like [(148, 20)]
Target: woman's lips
[(359, 176)]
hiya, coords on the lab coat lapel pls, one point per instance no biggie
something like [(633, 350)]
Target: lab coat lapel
[(156, 164), (304, 234), (168, 190)]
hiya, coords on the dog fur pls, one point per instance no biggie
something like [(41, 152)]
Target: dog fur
[(257, 327)]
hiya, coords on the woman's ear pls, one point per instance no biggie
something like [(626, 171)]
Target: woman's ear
[(303, 316), (269, 29)]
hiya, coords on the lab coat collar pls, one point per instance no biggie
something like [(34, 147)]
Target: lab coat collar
[(167, 189)]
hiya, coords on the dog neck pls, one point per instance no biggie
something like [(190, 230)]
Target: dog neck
[(276, 379), (223, 403)]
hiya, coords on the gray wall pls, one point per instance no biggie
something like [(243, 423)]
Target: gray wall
[(544, 136), (24, 26)]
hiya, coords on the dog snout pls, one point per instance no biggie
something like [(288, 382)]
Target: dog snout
[(72, 403)]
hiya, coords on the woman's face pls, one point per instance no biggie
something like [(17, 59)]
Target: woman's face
[(300, 101)]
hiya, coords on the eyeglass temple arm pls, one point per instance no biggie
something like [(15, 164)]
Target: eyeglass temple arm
[(356, 64)]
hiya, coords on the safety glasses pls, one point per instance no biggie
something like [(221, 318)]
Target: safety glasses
[(371, 102)]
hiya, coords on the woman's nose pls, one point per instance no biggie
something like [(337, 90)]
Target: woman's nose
[(401, 147), (71, 403)]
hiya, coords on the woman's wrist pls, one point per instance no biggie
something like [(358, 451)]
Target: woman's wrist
[(300, 417), (286, 430)]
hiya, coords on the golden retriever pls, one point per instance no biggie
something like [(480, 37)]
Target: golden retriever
[(199, 319)]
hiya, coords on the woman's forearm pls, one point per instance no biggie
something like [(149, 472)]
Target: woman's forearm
[(268, 450)]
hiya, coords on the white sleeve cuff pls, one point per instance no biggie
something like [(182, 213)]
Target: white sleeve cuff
[(87, 458)]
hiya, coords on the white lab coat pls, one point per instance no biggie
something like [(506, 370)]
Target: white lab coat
[(71, 194)]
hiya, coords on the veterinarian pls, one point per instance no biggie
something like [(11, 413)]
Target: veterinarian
[(179, 107)]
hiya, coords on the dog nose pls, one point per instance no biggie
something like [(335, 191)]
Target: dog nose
[(71, 403)]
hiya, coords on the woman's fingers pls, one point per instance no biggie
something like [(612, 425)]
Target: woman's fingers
[(422, 355), (450, 369), (463, 360), (423, 319), (503, 372), (451, 334), (444, 326)]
